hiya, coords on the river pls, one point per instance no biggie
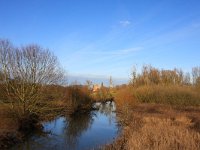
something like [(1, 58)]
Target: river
[(78, 132)]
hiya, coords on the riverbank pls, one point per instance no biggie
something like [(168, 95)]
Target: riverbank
[(8, 129), (156, 126), (10, 132), (78, 131)]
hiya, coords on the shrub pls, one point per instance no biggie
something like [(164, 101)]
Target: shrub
[(125, 97), (173, 95)]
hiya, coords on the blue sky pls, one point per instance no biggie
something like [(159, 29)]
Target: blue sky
[(107, 37)]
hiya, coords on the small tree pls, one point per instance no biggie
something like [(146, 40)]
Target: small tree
[(198, 82), (196, 75), (133, 78), (25, 71), (89, 84)]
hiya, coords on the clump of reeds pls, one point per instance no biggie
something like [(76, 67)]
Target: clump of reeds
[(166, 128), (164, 134)]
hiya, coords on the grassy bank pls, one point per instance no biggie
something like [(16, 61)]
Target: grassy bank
[(154, 126), (157, 117)]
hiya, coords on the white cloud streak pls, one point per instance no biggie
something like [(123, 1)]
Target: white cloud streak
[(127, 51), (125, 23)]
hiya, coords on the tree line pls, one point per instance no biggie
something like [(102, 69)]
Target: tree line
[(152, 76)]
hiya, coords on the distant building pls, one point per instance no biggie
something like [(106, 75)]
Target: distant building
[(96, 87), (111, 82)]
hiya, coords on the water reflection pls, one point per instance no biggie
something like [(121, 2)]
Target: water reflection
[(76, 132), (76, 125), (107, 108)]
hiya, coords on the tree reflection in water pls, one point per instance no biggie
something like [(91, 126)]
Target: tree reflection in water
[(76, 132), (107, 108), (76, 125)]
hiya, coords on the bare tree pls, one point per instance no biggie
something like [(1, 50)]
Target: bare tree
[(133, 76), (187, 79), (89, 84), (195, 75), (25, 71)]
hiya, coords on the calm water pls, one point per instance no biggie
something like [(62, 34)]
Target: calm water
[(79, 132)]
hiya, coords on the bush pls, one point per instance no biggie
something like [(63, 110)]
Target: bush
[(173, 95), (28, 123), (78, 97), (125, 96)]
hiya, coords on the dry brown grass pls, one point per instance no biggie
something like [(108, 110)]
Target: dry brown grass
[(7, 123), (157, 133), (125, 96), (174, 95), (8, 128), (159, 127)]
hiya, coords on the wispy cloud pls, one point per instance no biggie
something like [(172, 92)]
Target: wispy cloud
[(196, 24), (125, 23), (127, 51), (177, 34), (121, 52), (106, 60)]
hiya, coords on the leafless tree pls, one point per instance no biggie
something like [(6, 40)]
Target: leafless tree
[(196, 75), (25, 71), (133, 76), (187, 79), (89, 84)]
